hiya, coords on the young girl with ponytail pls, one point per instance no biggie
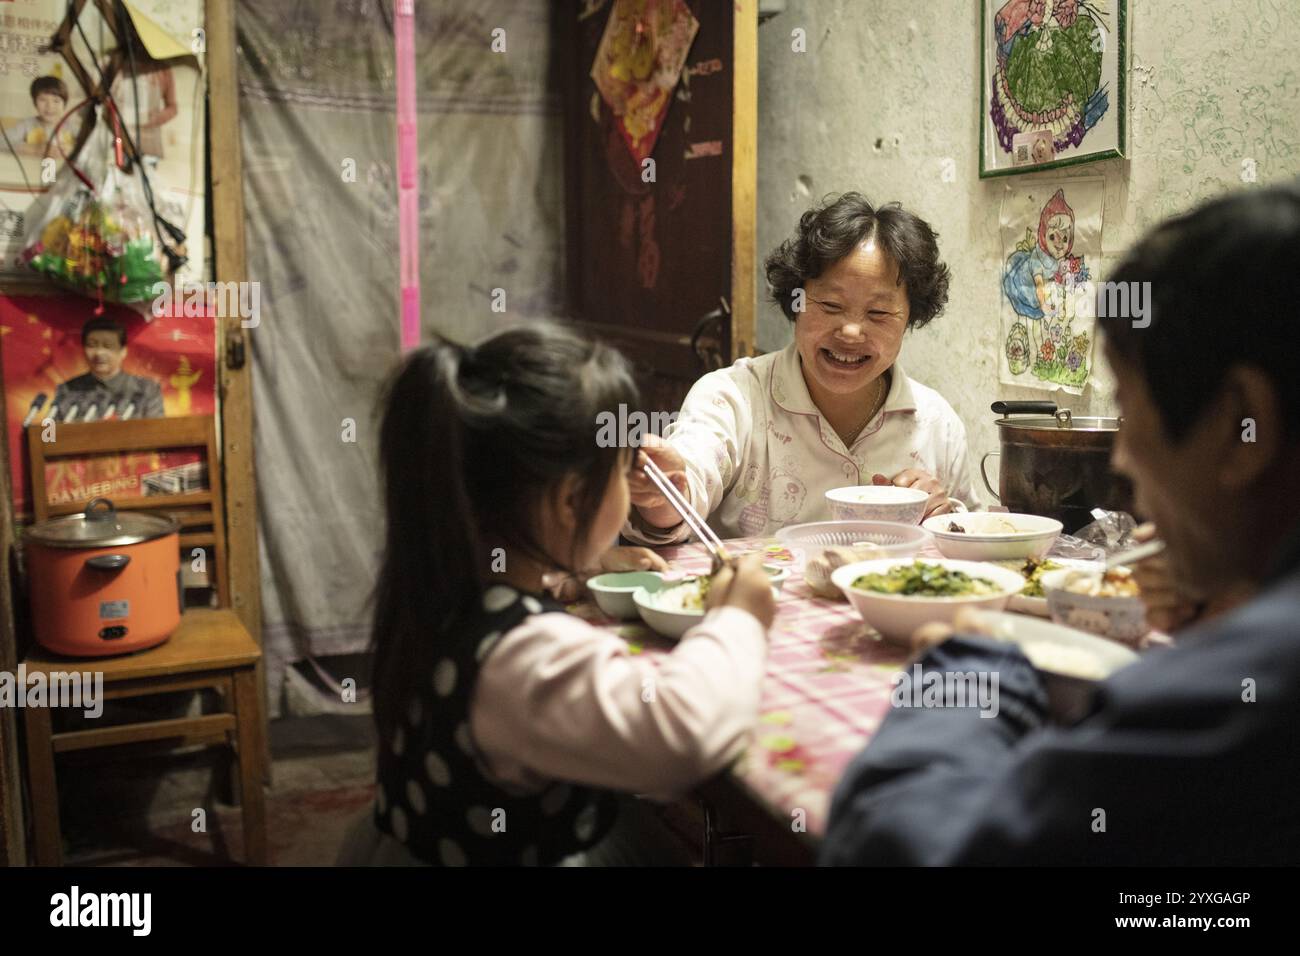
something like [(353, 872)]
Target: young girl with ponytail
[(511, 733)]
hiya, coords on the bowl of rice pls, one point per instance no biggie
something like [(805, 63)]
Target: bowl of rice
[(680, 605), (675, 608)]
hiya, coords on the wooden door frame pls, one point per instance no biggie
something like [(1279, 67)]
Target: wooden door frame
[(235, 346), (744, 177)]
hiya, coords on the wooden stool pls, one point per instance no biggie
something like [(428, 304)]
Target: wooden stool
[(210, 649)]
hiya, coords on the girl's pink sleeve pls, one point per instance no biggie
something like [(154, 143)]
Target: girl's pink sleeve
[(560, 699)]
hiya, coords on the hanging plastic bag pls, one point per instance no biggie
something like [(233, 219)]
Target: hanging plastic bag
[(92, 231)]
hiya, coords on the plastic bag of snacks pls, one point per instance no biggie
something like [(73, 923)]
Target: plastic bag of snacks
[(93, 230)]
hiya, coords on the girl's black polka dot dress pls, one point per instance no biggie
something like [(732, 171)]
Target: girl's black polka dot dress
[(432, 794)]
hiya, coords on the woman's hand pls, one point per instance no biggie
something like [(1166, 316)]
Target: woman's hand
[(653, 507), (923, 481), (747, 587), (631, 559), (1168, 606)]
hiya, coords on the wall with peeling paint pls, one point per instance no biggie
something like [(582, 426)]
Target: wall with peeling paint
[(888, 90)]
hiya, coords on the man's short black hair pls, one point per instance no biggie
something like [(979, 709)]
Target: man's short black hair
[(1222, 294), (49, 84), (830, 231), (102, 323)]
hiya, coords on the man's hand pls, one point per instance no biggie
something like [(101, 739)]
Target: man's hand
[(966, 621), (1169, 607)]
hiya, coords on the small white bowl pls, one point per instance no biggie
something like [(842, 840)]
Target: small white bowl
[(1121, 618), (613, 592), (669, 623), (988, 536), (877, 503), (896, 616)]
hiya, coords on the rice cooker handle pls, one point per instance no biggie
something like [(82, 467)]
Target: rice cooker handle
[(108, 562)]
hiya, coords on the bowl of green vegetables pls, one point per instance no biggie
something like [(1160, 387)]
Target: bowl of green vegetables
[(896, 596)]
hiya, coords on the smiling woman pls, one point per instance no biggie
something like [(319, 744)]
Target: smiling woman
[(757, 445)]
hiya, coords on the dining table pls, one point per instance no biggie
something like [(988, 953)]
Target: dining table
[(827, 688)]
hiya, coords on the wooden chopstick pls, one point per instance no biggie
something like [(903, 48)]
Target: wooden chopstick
[(707, 536)]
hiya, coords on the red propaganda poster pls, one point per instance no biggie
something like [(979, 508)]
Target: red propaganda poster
[(63, 363)]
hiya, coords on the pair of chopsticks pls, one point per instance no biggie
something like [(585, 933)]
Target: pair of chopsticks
[(707, 536)]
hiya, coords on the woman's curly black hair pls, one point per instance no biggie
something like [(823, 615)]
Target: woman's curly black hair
[(830, 231)]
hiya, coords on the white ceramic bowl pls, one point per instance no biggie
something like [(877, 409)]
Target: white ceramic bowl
[(993, 536), (811, 539), (1071, 662), (896, 616), (877, 503), (1122, 619), (1057, 649), (670, 622), (613, 592)]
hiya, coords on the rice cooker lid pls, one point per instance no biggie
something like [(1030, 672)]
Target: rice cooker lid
[(101, 526)]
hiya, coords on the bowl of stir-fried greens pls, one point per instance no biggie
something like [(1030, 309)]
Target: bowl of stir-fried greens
[(897, 596)]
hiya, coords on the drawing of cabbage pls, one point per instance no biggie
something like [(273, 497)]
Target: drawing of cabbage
[(1041, 80)]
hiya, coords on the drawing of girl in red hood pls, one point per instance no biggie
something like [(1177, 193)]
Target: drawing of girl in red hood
[(1034, 266)]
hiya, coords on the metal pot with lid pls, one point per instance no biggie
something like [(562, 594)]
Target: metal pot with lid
[(102, 581), (1056, 464)]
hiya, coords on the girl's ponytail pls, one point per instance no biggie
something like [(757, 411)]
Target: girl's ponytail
[(431, 564)]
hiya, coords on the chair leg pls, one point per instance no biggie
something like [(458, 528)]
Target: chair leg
[(48, 842), (248, 715)]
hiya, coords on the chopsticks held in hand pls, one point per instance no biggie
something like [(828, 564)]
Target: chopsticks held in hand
[(683, 507)]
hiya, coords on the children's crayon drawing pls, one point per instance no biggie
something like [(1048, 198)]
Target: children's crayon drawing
[(1055, 84), (1051, 238)]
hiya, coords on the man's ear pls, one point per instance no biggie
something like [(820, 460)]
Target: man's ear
[(1253, 426)]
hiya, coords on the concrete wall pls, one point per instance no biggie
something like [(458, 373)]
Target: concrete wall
[(889, 88)]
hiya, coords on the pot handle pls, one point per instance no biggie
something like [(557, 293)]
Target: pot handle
[(985, 475), (108, 562), (1024, 408)]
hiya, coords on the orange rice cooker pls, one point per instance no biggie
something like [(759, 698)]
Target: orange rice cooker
[(103, 582)]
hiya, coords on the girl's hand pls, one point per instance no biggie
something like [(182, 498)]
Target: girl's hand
[(646, 498), (631, 559), (565, 588), (923, 481), (748, 587)]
